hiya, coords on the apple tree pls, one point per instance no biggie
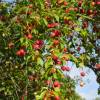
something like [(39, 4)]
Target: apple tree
[(37, 40)]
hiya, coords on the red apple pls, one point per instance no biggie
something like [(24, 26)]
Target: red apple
[(65, 49), (85, 24), (95, 12), (89, 12), (63, 68), (67, 11), (55, 33), (82, 74), (93, 3), (66, 21), (29, 36), (75, 9), (82, 11), (52, 25), (58, 62), (55, 58), (22, 97), (30, 6), (65, 3), (68, 68), (79, 3), (98, 2), (48, 82), (78, 48), (56, 42), (21, 52), (97, 66), (39, 42), (57, 98), (56, 84), (52, 35), (36, 46)]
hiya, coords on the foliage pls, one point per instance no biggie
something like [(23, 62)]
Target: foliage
[(37, 39)]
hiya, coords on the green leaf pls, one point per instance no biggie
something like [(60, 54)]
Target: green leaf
[(57, 17), (22, 40), (83, 33), (40, 61), (45, 21), (48, 63), (57, 89), (55, 76)]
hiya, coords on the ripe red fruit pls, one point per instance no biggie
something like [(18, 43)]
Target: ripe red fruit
[(68, 68), (85, 24), (82, 11), (95, 12), (63, 68), (82, 74), (57, 98), (39, 42), (75, 9), (18, 53), (55, 33), (65, 3), (55, 58), (78, 48), (98, 2), (58, 62), (29, 36), (71, 9), (56, 84), (79, 3), (36, 46), (52, 35), (52, 25), (21, 52), (66, 21), (22, 97), (97, 66), (48, 82), (89, 12), (56, 42), (92, 3), (30, 6), (67, 11), (65, 49)]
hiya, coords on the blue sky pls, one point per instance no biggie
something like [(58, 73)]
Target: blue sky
[(89, 91)]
